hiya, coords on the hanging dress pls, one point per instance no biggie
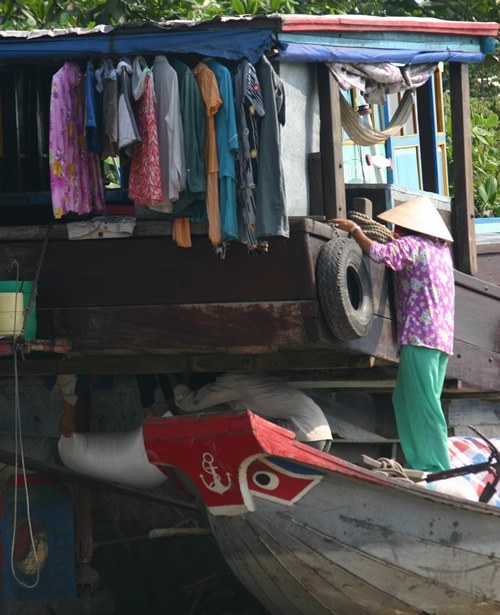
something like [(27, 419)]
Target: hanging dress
[(145, 177), (75, 174)]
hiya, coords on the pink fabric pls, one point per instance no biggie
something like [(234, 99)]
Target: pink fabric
[(467, 450), (75, 175), (145, 186)]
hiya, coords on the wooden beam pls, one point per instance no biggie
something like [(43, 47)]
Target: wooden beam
[(463, 205), (428, 141), (330, 138), (309, 361)]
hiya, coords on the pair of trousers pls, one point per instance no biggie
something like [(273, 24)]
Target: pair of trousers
[(416, 400)]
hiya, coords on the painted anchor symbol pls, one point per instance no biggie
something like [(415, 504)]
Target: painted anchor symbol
[(210, 468)]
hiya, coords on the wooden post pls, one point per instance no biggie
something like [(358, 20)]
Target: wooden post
[(428, 138), (463, 205), (332, 167)]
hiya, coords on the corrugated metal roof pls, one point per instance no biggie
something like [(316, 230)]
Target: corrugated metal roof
[(317, 39)]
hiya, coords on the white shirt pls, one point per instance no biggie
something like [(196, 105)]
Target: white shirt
[(265, 395), (170, 130)]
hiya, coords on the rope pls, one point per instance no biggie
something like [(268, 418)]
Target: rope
[(363, 134), (19, 448), (34, 290), (370, 227), (19, 451), (389, 467)]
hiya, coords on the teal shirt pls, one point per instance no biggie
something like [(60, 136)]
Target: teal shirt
[(226, 134), (194, 126)]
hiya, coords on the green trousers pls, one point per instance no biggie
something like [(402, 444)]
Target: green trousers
[(420, 421)]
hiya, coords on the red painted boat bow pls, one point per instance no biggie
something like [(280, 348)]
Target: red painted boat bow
[(216, 449)]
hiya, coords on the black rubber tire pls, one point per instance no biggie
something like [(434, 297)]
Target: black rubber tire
[(344, 289)]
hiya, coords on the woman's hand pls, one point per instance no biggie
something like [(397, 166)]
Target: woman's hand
[(345, 225), (355, 231)]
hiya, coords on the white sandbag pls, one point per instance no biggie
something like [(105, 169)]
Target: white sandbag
[(118, 457), (457, 486)]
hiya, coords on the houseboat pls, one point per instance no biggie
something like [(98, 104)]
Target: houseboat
[(323, 116)]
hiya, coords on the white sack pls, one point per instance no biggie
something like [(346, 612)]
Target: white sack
[(456, 485), (118, 457)]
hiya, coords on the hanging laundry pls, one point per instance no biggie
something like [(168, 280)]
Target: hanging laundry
[(75, 174), (194, 130), (128, 132), (107, 85), (181, 233), (191, 201), (93, 111), (272, 219), (144, 186), (227, 148), (249, 111), (170, 133), (207, 83)]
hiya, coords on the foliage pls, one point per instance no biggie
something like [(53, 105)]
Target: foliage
[(486, 167), (29, 14)]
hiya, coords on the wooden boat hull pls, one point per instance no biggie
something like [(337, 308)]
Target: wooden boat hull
[(119, 300), (306, 532)]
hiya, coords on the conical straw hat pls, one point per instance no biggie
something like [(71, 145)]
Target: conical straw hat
[(418, 215)]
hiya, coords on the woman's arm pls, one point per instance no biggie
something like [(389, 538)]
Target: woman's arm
[(355, 232)]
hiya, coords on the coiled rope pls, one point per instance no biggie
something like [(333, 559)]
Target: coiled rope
[(371, 228)]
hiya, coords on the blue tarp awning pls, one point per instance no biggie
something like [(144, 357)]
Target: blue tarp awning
[(230, 44), (308, 52)]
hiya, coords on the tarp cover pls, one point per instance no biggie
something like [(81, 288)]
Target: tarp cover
[(310, 52), (230, 44)]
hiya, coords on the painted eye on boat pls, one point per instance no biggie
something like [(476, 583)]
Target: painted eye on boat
[(266, 480)]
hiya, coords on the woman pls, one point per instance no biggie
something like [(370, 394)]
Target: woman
[(426, 308)]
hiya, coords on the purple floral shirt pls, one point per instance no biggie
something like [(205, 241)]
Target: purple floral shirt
[(426, 290)]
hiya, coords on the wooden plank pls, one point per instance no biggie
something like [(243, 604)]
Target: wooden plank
[(463, 209), (477, 318), (315, 184), (332, 167), (150, 271), (153, 270), (474, 366), (166, 328), (488, 263), (56, 346)]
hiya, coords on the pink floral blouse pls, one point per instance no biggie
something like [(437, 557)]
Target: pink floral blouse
[(426, 290)]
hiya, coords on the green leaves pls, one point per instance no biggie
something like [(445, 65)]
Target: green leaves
[(485, 161)]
